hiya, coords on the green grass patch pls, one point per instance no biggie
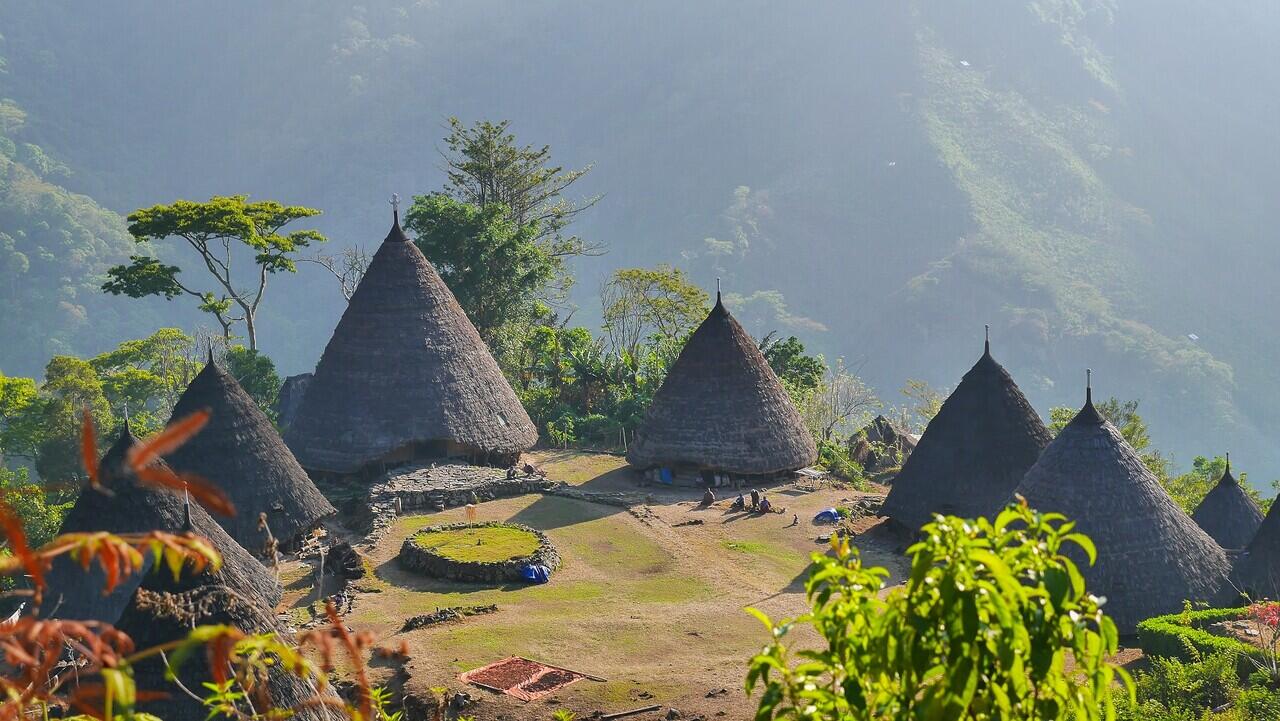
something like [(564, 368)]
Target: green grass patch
[(745, 546), (481, 544)]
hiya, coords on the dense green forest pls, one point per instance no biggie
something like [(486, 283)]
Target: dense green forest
[(878, 179)]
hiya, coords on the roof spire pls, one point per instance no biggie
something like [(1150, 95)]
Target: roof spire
[(186, 510), (717, 290), (126, 417), (1088, 386), (395, 208), (211, 351), (1228, 472), (986, 347)]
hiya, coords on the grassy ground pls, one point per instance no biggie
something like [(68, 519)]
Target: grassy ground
[(655, 608), (484, 544)]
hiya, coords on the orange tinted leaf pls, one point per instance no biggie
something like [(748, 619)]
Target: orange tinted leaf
[(162, 443), (204, 492), (32, 563)]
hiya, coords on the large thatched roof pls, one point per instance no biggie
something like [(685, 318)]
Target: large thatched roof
[(1257, 570), (1151, 555), (973, 453), (155, 617), (74, 593), (404, 366), (241, 452), (1228, 514), (722, 408)]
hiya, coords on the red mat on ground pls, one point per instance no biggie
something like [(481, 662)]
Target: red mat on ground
[(519, 677)]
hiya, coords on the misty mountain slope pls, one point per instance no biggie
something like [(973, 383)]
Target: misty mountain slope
[(1095, 179)]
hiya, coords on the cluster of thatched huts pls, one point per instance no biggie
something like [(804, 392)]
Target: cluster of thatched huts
[(987, 447)]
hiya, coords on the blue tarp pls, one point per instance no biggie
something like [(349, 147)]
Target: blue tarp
[(829, 515), (664, 475), (536, 574)]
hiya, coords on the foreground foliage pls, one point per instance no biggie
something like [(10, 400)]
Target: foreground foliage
[(982, 629)]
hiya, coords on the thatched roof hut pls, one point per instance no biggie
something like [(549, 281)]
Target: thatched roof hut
[(74, 593), (156, 617), (1257, 569), (881, 446), (1151, 556), (242, 453), (1228, 514), (973, 453), (721, 408), (404, 376)]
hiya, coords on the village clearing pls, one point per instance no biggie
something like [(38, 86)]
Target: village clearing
[(654, 607)]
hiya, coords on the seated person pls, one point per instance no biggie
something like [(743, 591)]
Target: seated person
[(708, 498), (739, 503), (765, 505)]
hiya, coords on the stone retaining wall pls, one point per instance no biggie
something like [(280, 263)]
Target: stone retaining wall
[(421, 560)]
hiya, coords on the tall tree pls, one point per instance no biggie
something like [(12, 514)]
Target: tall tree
[(486, 167), (493, 265), (221, 232), (643, 304)]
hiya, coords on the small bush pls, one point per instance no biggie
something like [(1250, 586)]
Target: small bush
[(1183, 636)]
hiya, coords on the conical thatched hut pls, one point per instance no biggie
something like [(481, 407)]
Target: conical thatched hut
[(881, 446), (1228, 514), (1151, 556), (973, 453), (721, 411), (241, 452), (405, 377), (156, 617), (1257, 570), (74, 593)]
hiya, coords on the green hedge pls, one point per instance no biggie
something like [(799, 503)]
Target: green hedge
[(1172, 636)]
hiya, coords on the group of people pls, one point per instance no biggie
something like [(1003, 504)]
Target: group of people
[(759, 503)]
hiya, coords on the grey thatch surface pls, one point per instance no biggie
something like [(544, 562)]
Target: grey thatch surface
[(1151, 555), (241, 452), (155, 617), (74, 593), (404, 366), (973, 453), (1257, 570), (722, 408), (880, 445), (1228, 514)]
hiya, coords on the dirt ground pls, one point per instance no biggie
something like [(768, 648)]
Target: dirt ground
[(654, 607)]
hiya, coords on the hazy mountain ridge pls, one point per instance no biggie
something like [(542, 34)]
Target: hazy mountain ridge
[(1082, 175)]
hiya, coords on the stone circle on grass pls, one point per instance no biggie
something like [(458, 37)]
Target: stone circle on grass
[(490, 552)]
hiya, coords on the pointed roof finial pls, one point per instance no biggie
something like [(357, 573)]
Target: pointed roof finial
[(1088, 386), (187, 526), (210, 351), (717, 290), (1228, 463), (126, 417), (986, 347), (395, 208)]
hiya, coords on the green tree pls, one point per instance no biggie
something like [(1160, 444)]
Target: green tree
[(41, 516), (923, 403), (799, 372), (70, 386), (219, 231), (494, 267), (486, 167), (17, 428), (981, 630), (146, 376), (256, 373), (649, 304)]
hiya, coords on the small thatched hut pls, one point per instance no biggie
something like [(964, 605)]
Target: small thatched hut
[(1151, 556), (74, 593), (881, 446), (241, 452), (156, 617), (973, 453), (1228, 514), (1257, 569), (406, 377), (721, 412)]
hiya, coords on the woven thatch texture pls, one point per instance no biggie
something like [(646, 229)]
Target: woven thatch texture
[(722, 408), (1257, 570), (973, 453), (74, 593), (241, 452), (157, 617), (1228, 514), (1151, 555), (404, 366)]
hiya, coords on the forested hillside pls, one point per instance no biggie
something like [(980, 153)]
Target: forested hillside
[(1093, 178)]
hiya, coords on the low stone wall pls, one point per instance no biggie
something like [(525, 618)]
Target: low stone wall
[(421, 560), (438, 487)]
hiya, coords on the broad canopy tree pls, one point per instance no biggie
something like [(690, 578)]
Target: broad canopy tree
[(220, 231)]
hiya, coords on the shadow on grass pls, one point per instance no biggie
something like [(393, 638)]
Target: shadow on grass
[(551, 512), (391, 572)]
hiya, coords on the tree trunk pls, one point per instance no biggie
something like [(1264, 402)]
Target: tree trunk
[(251, 329)]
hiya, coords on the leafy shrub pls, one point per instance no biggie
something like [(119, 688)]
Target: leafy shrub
[(835, 458), (980, 630), (1183, 636)]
